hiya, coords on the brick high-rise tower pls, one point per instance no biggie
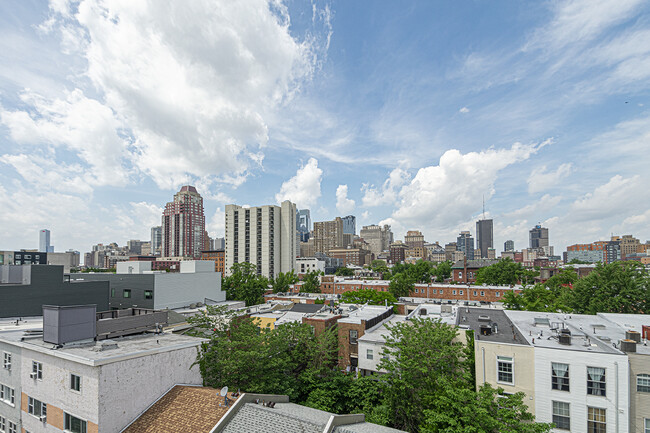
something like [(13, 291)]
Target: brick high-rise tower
[(183, 225)]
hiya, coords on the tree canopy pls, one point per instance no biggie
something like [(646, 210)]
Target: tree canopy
[(505, 272), (311, 282), (370, 296), (344, 272), (244, 284), (401, 284), (283, 281)]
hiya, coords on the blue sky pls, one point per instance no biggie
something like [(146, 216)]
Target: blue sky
[(405, 113)]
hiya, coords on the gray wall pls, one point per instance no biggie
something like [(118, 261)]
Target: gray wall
[(47, 287), (11, 378), (137, 283)]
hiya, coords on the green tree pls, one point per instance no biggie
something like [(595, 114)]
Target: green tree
[(379, 266), (401, 284), (344, 272), (421, 272), (283, 281), (370, 296), (443, 271), (244, 284), (311, 282), (619, 287), (505, 272)]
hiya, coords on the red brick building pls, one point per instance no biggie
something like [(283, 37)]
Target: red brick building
[(218, 256)]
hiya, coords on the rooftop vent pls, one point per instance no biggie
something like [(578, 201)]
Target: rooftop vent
[(486, 330), (628, 346), (483, 318), (633, 335), (565, 338)]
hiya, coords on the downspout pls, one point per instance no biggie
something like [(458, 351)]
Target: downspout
[(483, 352), (617, 415)]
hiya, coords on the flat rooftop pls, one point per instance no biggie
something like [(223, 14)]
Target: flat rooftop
[(99, 353), (589, 333), (364, 312), (502, 329), (378, 333)]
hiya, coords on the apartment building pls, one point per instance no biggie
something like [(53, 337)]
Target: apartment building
[(61, 378), (354, 326), (328, 235), (379, 238), (265, 236)]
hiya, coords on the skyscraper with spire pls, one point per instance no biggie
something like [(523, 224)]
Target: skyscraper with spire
[(183, 225)]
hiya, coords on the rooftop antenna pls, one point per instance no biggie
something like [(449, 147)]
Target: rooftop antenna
[(483, 206), (224, 393)]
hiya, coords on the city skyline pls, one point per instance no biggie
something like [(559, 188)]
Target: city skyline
[(404, 115)]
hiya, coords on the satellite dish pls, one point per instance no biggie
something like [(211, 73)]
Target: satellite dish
[(224, 391)]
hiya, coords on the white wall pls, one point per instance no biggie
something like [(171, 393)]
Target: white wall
[(176, 290), (129, 387), (370, 364), (577, 396)]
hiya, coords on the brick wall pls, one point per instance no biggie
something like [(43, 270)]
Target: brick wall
[(320, 325), (346, 350)]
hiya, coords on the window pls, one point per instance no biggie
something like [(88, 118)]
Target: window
[(643, 383), (596, 420), (505, 370), (453, 292), (482, 293), (369, 354), (112, 292), (75, 382), (74, 424), (647, 425), (148, 294), (460, 291), (3, 424), (496, 294), (474, 292), (13, 428), (6, 364), (560, 376), (36, 407), (37, 370), (561, 415), (596, 381), (441, 291), (460, 274), (126, 293), (353, 336), (7, 394)]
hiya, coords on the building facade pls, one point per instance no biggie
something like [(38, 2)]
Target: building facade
[(538, 237), (465, 244), (378, 238), (183, 225), (328, 235), (414, 239), (44, 241), (349, 225), (156, 240), (265, 236), (484, 237)]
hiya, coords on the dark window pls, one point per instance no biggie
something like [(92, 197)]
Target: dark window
[(560, 376), (353, 336), (643, 383), (505, 370), (126, 293), (74, 424), (561, 415), (148, 294), (596, 420), (75, 382), (596, 381)]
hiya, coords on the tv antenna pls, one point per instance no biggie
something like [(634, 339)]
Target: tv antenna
[(224, 393), (483, 206)]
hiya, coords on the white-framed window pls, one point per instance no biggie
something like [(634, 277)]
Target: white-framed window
[(596, 381), (496, 294), (646, 426), (560, 376), (369, 354), (6, 361), (75, 381), (73, 424), (3, 424), (7, 394), (353, 336), (441, 291), (36, 407), (505, 370), (13, 427), (37, 370), (461, 292), (643, 383), (453, 292), (474, 292), (482, 293), (596, 420), (561, 415)]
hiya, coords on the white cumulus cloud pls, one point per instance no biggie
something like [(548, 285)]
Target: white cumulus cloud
[(542, 179), (303, 188), (387, 193), (343, 204)]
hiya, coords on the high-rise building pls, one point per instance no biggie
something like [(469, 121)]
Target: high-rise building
[(414, 239), (509, 245), (183, 225), (484, 236), (265, 236), (156, 240), (303, 224), (328, 235), (44, 242), (465, 244), (218, 244), (538, 237), (378, 238), (350, 225)]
